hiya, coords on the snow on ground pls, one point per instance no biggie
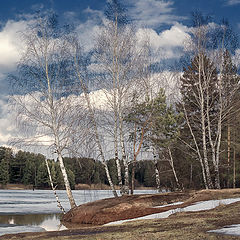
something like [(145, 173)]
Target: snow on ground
[(199, 206), (228, 230), (171, 204)]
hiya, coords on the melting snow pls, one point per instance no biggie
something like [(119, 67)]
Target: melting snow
[(228, 230), (199, 206), (171, 204)]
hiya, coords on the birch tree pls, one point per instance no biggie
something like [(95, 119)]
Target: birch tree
[(76, 55), (208, 105), (42, 96), (116, 57)]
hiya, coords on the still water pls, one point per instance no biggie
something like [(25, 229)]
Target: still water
[(35, 211)]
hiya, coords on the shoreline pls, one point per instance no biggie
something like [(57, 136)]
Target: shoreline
[(77, 187), (177, 226)]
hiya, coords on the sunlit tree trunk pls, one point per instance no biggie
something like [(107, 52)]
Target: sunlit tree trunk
[(54, 188)]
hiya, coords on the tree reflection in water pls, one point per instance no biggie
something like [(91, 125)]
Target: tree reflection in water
[(49, 222)]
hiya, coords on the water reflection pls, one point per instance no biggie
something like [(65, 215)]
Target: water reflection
[(29, 211), (50, 222)]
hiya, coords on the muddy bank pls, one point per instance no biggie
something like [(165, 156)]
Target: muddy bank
[(127, 207)]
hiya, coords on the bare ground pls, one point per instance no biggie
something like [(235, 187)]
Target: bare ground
[(193, 225), (127, 207)]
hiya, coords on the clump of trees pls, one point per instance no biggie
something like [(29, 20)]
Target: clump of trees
[(190, 142)]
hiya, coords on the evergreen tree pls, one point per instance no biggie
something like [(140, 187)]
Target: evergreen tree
[(200, 105), (4, 171), (6, 158), (231, 96), (42, 176)]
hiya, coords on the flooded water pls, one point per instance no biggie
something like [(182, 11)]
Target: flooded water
[(35, 211)]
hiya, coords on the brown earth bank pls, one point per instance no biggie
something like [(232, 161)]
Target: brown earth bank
[(15, 186), (185, 225), (101, 186), (127, 207)]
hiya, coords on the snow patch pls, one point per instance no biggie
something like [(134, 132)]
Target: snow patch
[(228, 230), (199, 206), (167, 205)]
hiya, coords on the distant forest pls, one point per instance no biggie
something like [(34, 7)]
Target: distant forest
[(30, 169)]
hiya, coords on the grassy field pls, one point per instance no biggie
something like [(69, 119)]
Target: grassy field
[(180, 226)]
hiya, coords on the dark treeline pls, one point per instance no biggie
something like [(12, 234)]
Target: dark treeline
[(30, 169)]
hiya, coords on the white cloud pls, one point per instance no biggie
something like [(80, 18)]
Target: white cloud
[(10, 44), (7, 128), (166, 44), (232, 2), (153, 13), (173, 37), (88, 30), (86, 33)]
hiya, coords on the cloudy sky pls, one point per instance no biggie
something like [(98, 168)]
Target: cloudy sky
[(166, 21)]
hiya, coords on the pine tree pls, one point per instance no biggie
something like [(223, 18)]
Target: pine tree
[(4, 171), (6, 158), (230, 82), (199, 104)]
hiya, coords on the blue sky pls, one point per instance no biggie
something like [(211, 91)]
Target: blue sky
[(167, 22), (179, 10)]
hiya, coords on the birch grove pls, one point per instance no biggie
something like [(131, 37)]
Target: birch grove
[(205, 108), (114, 103)]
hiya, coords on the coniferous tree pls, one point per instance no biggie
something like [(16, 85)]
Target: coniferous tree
[(199, 104), (230, 86), (5, 159)]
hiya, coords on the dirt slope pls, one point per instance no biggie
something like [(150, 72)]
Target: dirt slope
[(127, 207)]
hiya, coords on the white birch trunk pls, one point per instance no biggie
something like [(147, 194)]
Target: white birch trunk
[(54, 188), (56, 135), (173, 168), (95, 128), (197, 149), (66, 182), (228, 153), (203, 119), (124, 156), (119, 174), (157, 174)]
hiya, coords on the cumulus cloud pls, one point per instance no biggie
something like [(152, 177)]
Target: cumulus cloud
[(88, 30), (153, 13), (10, 46), (175, 36), (166, 44), (10, 43)]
